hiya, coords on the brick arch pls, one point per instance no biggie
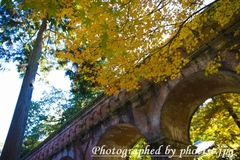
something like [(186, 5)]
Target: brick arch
[(65, 137), (88, 121), (104, 109), (78, 127), (187, 95), (120, 136), (95, 116), (112, 104), (71, 133)]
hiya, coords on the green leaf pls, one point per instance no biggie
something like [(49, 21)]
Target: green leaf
[(81, 14), (104, 38), (87, 21), (104, 26)]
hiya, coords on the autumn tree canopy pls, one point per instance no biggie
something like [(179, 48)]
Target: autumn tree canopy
[(117, 42), (124, 41)]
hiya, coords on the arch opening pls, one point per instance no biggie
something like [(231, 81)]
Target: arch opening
[(187, 95), (215, 127), (117, 142), (139, 150)]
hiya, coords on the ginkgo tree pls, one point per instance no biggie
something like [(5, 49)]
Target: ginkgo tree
[(115, 43)]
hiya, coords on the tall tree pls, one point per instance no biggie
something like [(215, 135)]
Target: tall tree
[(13, 143)]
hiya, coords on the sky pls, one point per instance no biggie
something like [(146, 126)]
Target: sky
[(10, 85)]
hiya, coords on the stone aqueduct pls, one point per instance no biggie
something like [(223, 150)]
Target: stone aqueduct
[(160, 113)]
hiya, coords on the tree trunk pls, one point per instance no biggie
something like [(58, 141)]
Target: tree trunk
[(13, 143), (233, 114)]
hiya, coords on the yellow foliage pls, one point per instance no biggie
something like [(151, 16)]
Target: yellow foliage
[(217, 120), (212, 66), (126, 40), (238, 69)]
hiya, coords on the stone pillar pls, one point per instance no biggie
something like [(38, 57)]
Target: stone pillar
[(172, 150), (159, 146)]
